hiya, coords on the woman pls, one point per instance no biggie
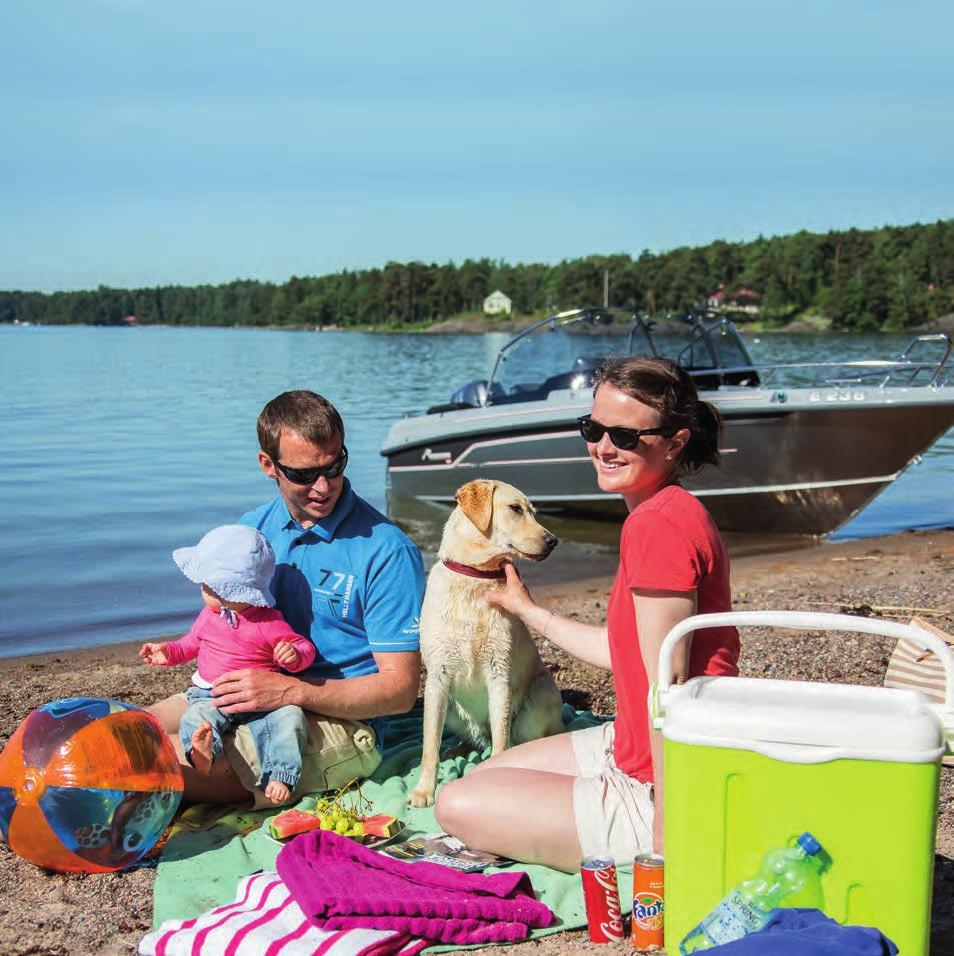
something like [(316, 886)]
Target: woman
[(599, 791)]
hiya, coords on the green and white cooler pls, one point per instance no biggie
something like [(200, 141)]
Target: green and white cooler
[(750, 764)]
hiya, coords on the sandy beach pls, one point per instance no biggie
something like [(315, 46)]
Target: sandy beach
[(41, 912)]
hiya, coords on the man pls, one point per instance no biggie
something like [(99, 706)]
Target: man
[(345, 577)]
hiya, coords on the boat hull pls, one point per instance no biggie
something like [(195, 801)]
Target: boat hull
[(798, 462)]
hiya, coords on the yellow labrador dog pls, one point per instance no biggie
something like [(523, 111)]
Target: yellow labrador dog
[(484, 674)]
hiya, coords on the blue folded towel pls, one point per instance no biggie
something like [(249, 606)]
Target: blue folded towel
[(808, 932)]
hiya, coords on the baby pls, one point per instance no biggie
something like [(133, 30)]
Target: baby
[(238, 628)]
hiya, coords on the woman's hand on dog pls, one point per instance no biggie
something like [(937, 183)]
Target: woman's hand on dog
[(513, 596)]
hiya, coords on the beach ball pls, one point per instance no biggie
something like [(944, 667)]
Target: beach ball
[(87, 785)]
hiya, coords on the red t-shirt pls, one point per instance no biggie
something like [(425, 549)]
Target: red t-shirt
[(669, 543)]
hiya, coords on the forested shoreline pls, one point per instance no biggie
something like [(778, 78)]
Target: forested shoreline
[(887, 278)]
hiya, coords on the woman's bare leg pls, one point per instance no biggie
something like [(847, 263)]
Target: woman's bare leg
[(220, 784), (526, 815), (483, 811)]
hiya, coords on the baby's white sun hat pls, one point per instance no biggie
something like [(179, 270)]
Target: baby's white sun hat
[(235, 561)]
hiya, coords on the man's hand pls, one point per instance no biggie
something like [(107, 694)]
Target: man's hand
[(284, 654), (154, 654), (238, 692)]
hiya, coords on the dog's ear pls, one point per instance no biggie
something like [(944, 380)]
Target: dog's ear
[(476, 500)]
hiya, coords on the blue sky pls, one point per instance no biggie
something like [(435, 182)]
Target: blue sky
[(154, 143)]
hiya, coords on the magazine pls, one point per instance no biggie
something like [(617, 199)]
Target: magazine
[(443, 849)]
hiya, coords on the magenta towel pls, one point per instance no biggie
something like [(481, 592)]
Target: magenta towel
[(340, 884)]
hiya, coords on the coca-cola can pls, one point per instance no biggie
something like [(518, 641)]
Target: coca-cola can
[(604, 916)]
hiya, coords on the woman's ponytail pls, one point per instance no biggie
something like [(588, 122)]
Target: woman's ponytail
[(705, 434)]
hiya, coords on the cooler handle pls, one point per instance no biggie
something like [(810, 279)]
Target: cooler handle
[(801, 621)]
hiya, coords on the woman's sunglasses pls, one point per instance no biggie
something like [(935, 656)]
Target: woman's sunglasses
[(308, 476), (626, 439)]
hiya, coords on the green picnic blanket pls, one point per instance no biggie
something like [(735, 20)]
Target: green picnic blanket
[(213, 847)]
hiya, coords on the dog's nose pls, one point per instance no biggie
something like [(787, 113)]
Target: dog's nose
[(551, 541)]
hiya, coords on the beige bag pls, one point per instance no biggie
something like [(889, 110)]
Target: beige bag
[(913, 667), (338, 750)]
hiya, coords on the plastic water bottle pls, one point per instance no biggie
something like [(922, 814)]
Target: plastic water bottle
[(747, 908)]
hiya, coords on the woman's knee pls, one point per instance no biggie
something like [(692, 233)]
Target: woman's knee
[(456, 807)]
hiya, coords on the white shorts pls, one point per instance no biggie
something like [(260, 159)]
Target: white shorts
[(613, 812)]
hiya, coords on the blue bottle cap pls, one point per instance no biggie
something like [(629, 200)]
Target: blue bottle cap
[(809, 844)]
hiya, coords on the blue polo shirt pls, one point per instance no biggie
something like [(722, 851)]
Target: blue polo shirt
[(353, 582)]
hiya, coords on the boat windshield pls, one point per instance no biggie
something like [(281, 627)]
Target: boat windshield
[(564, 351), (701, 344)]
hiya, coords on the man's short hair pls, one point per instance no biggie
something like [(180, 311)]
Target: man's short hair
[(309, 414)]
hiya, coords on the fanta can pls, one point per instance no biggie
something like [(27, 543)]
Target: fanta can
[(648, 902)]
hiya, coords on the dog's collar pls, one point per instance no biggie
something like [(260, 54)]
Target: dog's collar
[(497, 575)]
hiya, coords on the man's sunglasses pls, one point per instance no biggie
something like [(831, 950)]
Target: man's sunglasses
[(626, 439), (308, 476)]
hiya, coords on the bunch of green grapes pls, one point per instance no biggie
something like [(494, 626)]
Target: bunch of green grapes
[(342, 812)]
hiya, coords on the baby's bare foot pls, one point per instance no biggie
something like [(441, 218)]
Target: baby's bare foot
[(202, 748), (277, 792)]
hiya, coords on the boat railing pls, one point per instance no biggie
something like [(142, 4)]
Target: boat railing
[(878, 372), (930, 337)]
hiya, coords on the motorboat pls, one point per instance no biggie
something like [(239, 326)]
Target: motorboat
[(806, 444)]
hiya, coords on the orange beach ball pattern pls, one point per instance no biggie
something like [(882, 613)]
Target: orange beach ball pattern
[(87, 785)]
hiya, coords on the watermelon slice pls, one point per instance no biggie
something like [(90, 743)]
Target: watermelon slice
[(381, 825), (292, 822)]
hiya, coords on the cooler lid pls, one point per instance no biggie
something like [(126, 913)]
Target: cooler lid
[(804, 722)]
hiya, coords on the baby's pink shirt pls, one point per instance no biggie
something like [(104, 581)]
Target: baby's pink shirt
[(220, 647)]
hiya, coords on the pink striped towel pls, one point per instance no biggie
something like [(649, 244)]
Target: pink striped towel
[(264, 920)]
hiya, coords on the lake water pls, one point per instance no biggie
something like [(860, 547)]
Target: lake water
[(123, 444)]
